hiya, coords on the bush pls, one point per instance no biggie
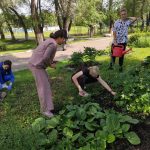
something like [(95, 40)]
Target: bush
[(139, 40), (135, 95), (88, 56), (76, 59), (84, 127)]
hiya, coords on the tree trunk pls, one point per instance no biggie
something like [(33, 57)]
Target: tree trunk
[(100, 27), (142, 9), (147, 21), (2, 34), (91, 31), (11, 31), (133, 7), (41, 17), (21, 22), (38, 29), (57, 13), (110, 16), (70, 24)]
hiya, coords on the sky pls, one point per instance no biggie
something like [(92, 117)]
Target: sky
[(24, 9)]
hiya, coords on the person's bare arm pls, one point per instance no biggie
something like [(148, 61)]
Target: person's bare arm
[(105, 85), (133, 19), (74, 79), (115, 37)]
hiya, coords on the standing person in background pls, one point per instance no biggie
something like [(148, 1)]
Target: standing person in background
[(120, 35), (41, 58)]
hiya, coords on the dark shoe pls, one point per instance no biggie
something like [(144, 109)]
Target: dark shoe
[(120, 69)]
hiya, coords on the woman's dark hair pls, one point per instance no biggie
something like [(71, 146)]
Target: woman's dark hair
[(59, 34), (8, 62)]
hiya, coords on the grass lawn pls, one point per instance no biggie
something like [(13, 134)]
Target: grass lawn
[(79, 33), (75, 30), (18, 46), (21, 106)]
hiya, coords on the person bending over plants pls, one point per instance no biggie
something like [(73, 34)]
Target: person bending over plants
[(88, 75)]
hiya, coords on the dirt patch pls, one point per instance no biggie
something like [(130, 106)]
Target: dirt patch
[(106, 100), (143, 132)]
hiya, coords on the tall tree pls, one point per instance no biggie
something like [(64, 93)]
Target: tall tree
[(6, 15), (110, 15), (65, 11), (11, 5), (21, 21), (88, 14), (37, 21), (1, 27)]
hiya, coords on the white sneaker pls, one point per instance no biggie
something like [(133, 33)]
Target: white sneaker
[(48, 114)]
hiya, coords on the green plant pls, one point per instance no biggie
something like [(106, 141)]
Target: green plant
[(88, 56), (139, 40), (90, 53), (146, 61), (82, 127), (135, 97), (76, 59)]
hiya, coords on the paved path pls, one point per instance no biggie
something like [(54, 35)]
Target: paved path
[(20, 59)]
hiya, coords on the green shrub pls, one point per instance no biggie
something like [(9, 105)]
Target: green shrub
[(89, 55), (135, 95), (146, 61), (139, 40), (84, 127), (76, 59)]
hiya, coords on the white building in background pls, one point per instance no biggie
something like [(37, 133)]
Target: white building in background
[(46, 28)]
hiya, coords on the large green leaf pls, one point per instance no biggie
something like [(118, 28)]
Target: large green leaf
[(89, 126), (102, 122), (99, 115), (100, 134), (42, 139), (81, 114), (129, 119), (68, 132), (90, 136), (52, 136), (112, 122), (111, 138), (101, 144), (39, 124), (125, 127), (71, 114), (88, 105), (133, 138), (92, 110), (75, 137), (53, 122)]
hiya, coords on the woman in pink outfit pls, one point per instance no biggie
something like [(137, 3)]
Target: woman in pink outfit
[(41, 58)]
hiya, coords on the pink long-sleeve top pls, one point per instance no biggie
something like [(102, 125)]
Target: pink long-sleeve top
[(44, 54)]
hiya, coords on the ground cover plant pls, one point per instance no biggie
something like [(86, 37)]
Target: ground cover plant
[(21, 107)]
